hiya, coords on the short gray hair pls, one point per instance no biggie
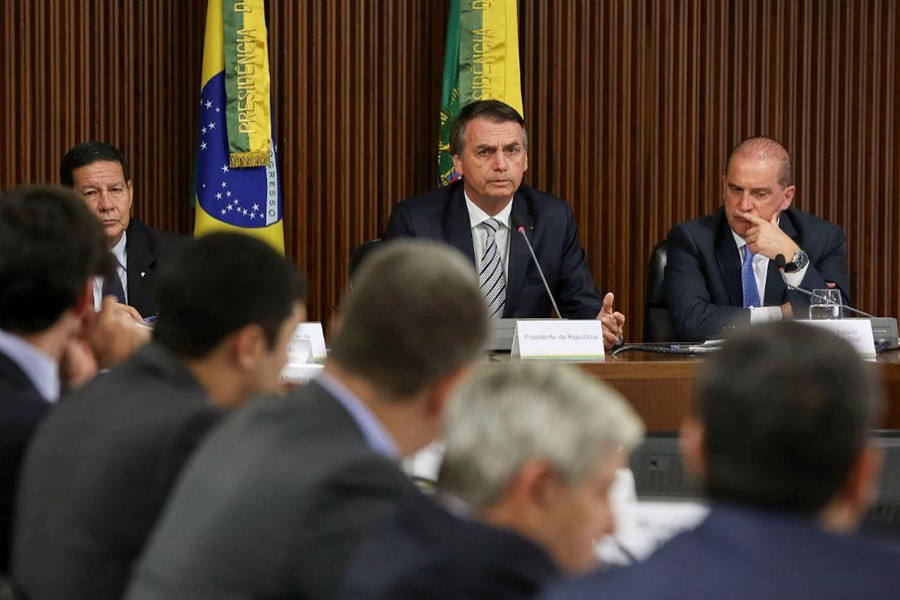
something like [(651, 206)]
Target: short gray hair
[(508, 414), (416, 314)]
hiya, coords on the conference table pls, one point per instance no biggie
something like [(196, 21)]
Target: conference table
[(661, 386)]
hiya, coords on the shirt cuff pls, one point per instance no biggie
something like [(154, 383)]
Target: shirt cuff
[(796, 278), (762, 314)]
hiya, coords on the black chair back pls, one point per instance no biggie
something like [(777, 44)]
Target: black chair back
[(359, 255), (657, 324)]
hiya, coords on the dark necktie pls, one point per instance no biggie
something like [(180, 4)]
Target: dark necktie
[(112, 286)]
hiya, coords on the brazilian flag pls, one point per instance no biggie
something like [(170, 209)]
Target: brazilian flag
[(236, 182), (481, 62)]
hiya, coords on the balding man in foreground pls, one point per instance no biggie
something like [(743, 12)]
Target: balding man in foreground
[(722, 270)]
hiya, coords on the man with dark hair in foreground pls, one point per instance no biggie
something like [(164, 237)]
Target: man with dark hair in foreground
[(779, 439), (277, 499), (51, 247), (101, 465)]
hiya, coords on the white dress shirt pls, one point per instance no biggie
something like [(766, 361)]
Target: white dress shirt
[(41, 369), (479, 235), (121, 255)]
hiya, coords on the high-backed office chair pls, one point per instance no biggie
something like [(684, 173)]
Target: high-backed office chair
[(359, 255), (657, 324)]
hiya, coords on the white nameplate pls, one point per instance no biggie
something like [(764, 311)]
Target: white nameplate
[(856, 331), (558, 339), (307, 344)]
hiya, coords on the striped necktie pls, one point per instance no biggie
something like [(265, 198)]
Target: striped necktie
[(491, 277), (748, 280)]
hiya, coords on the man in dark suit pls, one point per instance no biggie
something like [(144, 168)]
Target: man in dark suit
[(50, 248), (481, 216), (276, 500), (722, 270), (531, 452), (101, 465), (779, 438), (100, 174)]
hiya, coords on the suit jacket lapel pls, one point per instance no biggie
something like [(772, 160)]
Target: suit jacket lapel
[(776, 291), (457, 227), (729, 261), (519, 256), (139, 267)]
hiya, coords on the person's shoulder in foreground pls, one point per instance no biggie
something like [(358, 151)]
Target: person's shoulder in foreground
[(779, 441), (746, 553), (530, 454), (425, 551)]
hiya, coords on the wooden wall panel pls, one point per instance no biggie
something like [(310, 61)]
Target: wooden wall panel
[(632, 106), (122, 72)]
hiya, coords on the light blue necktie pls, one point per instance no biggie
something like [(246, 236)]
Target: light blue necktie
[(491, 277), (748, 280)]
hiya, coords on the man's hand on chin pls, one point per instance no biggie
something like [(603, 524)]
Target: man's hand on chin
[(613, 323), (767, 238)]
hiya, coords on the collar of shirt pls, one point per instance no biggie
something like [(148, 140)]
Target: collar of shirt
[(41, 369), (479, 235), (120, 253), (376, 435)]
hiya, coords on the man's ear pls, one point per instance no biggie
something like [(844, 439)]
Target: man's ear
[(788, 197), (692, 441), (457, 163), (535, 484), (85, 301), (861, 487), (248, 345)]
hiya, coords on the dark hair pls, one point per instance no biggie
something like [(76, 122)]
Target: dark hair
[(215, 285), (50, 246), (492, 110), (786, 409), (87, 153), (415, 315)]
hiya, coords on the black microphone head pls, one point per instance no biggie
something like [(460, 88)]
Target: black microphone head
[(516, 221), (779, 262)]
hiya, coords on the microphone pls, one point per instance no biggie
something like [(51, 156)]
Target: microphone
[(779, 264), (520, 227)]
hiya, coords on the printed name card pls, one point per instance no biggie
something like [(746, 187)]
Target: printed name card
[(856, 331), (307, 344), (558, 339)]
